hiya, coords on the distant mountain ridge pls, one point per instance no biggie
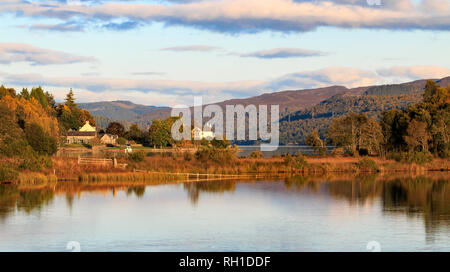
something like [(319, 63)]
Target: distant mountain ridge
[(295, 100), (303, 107), (117, 110), (294, 126)]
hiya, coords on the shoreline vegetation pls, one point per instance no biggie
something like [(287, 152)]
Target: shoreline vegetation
[(34, 128), (173, 167)]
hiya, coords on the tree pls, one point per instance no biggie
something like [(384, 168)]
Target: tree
[(121, 141), (7, 91), (39, 95), (39, 140), (220, 143), (115, 128), (371, 139), (346, 131), (70, 116), (24, 94), (394, 124), (135, 134), (159, 134), (313, 140), (70, 100), (418, 136)]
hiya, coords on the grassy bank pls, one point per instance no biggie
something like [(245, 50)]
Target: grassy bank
[(174, 167)]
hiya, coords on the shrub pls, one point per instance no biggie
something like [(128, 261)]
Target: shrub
[(398, 156), (367, 164), (297, 161), (39, 140), (206, 154), (338, 151), (121, 141), (151, 154), (420, 158), (187, 156), (256, 154), (138, 156), (7, 173), (220, 143)]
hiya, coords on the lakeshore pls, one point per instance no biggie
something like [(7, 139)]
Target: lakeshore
[(170, 166)]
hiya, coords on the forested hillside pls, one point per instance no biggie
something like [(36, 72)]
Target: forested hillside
[(117, 110), (294, 126)]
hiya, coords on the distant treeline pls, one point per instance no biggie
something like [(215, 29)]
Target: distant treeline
[(415, 134), (294, 127), (32, 126)]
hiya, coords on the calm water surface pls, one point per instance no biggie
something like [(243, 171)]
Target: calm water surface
[(295, 214)]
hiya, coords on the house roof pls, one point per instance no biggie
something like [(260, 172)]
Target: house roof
[(87, 127), (110, 136), (81, 133)]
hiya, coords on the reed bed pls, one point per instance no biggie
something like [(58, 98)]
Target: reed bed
[(165, 168)]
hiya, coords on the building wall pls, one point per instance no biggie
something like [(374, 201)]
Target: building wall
[(79, 139)]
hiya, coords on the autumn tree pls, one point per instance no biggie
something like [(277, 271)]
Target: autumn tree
[(371, 138), (39, 140), (135, 134), (313, 140), (115, 128), (72, 117), (346, 131)]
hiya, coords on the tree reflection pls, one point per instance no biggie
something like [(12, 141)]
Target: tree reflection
[(413, 196), (138, 191), (194, 188), (11, 198)]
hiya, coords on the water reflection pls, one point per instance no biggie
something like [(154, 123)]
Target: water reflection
[(424, 197), (218, 187)]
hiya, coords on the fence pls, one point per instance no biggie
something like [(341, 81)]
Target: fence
[(100, 162)]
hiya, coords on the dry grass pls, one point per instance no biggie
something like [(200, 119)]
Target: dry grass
[(167, 165)]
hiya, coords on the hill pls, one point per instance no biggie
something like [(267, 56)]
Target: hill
[(117, 110), (294, 126), (291, 100)]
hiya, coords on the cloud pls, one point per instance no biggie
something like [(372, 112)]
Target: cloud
[(195, 48), (65, 27), (346, 76), (415, 72), (122, 26), (20, 52), (237, 16), (172, 92), (283, 53)]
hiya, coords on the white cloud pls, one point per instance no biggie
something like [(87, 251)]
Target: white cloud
[(283, 53), (256, 15), (415, 72), (171, 92), (20, 52)]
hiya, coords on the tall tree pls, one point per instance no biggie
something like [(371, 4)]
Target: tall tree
[(418, 136), (70, 100), (313, 140), (115, 128), (346, 131)]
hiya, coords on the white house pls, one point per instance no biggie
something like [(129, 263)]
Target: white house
[(198, 133), (83, 136), (109, 139)]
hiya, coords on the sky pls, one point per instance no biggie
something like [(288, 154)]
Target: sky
[(165, 52)]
